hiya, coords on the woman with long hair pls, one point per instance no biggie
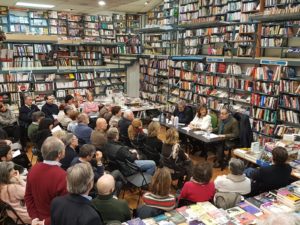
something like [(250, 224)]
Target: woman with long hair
[(136, 134)]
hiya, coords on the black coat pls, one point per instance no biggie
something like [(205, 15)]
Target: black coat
[(154, 143), (70, 154), (74, 210), (25, 115), (184, 117), (246, 134), (123, 128), (50, 110)]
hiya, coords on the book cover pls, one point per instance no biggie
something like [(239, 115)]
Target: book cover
[(232, 212), (136, 221), (250, 209), (245, 218)]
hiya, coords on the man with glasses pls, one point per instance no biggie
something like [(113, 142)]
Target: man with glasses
[(183, 112)]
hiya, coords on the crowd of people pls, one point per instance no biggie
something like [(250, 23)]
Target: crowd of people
[(82, 168)]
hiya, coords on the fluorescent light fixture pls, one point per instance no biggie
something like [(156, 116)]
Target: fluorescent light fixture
[(102, 3), (35, 5)]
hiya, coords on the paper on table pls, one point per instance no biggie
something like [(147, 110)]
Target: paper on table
[(57, 128), (55, 116), (16, 153), (186, 128), (199, 132), (211, 135)]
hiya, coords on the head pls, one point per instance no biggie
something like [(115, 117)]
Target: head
[(3, 107), (172, 136), (181, 105), (106, 184), (62, 106), (279, 155), (73, 115), (60, 134), (53, 149), (116, 111), (87, 152), (236, 166), (202, 111), (67, 110), (5, 152), (90, 97), (69, 99), (280, 219), (101, 124), (134, 128), (202, 172), (83, 118), (6, 172), (153, 129), (49, 99), (112, 134), (28, 100), (80, 178), (45, 123), (128, 114), (224, 114), (70, 140), (37, 116), (161, 182)]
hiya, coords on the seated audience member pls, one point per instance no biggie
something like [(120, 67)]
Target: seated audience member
[(98, 136), (25, 115), (235, 181), (183, 112), (76, 208), (71, 143), (69, 101), (115, 151), (271, 177), (202, 120), (34, 126), (61, 112), (65, 119), (49, 108), (228, 127), (46, 180), (110, 208), (86, 154), (8, 122), (6, 153), (136, 134), (90, 107), (72, 125), (105, 112), (78, 101), (82, 130), (124, 124), (12, 191), (152, 139), (116, 116), (199, 189), (175, 158), (160, 196), (280, 219)]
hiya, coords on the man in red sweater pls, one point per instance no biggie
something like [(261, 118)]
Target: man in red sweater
[(46, 180)]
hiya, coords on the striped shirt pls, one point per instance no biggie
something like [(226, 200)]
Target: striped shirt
[(166, 203)]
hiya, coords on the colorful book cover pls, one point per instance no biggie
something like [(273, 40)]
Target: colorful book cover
[(250, 209), (175, 217), (232, 212), (245, 218), (136, 221), (160, 218)]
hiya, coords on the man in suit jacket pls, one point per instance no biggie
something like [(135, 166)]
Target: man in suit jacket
[(184, 113), (76, 208), (228, 127)]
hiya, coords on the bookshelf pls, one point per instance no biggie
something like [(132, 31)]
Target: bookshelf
[(4, 18), (19, 21), (106, 29), (38, 21)]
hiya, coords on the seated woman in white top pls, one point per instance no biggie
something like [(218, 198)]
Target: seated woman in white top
[(202, 120)]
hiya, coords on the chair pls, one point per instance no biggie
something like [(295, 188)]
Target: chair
[(5, 219)]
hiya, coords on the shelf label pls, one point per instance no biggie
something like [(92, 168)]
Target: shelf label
[(215, 60), (273, 62)]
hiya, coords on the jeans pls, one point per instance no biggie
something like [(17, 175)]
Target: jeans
[(147, 166)]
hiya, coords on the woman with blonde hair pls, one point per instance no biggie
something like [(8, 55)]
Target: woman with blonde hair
[(152, 139), (175, 158), (136, 134)]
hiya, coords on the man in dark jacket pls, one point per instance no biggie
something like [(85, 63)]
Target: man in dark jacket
[(124, 123), (228, 128), (50, 108), (76, 208), (183, 112)]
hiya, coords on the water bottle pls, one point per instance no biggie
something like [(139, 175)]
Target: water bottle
[(176, 121), (162, 118)]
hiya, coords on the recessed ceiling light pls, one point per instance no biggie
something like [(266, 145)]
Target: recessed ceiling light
[(35, 5), (102, 3), (146, 3)]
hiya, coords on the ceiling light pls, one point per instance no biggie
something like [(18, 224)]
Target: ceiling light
[(35, 5), (146, 3), (102, 3)]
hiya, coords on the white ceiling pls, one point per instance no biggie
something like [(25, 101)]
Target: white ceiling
[(92, 7)]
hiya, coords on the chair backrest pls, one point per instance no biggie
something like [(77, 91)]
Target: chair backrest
[(5, 219), (214, 119)]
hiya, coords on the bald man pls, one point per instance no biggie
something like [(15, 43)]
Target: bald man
[(106, 204), (98, 136)]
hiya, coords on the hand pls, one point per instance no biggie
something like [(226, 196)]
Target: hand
[(98, 156), (222, 135), (36, 221), (15, 177)]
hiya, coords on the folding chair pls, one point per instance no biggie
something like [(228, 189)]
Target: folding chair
[(5, 219)]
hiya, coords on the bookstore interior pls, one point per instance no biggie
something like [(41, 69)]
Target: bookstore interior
[(162, 60)]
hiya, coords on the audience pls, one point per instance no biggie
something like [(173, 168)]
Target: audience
[(69, 101), (152, 139), (90, 107), (199, 189), (65, 119), (8, 122), (46, 180), (98, 136), (105, 112), (75, 208), (72, 125), (174, 157), (107, 205), (136, 134), (116, 116), (71, 143), (124, 124), (49, 108), (202, 120), (34, 126), (12, 191), (183, 112), (228, 128), (6, 153), (271, 177), (82, 130), (117, 152)]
